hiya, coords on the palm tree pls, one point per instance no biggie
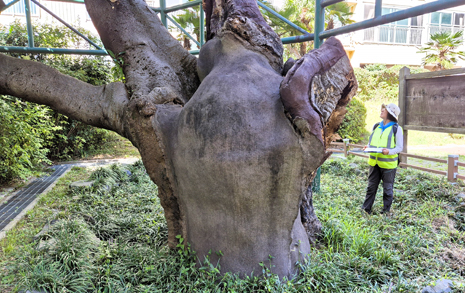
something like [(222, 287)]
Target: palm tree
[(190, 21), (442, 50), (338, 12), (302, 14)]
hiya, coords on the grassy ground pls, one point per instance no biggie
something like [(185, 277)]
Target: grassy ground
[(115, 146), (112, 238)]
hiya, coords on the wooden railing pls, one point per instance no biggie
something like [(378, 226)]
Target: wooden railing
[(452, 161)]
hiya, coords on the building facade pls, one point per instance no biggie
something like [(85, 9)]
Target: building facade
[(398, 42), (390, 44)]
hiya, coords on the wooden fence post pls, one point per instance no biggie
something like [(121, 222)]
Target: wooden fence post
[(452, 168), (402, 119), (346, 147)]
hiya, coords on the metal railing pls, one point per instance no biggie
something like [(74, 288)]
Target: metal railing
[(318, 37), (409, 35), (433, 29)]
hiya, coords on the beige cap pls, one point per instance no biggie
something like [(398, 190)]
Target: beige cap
[(393, 109)]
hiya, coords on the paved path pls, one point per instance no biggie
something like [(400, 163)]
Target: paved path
[(15, 204)]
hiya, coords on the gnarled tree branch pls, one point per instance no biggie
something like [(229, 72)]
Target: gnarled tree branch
[(153, 59)]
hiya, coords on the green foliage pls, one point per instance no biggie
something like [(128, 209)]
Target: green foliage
[(57, 136), (112, 238), (117, 71), (189, 20), (24, 129), (353, 125), (441, 51), (377, 82)]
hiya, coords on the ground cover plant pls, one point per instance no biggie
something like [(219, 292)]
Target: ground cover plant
[(112, 238)]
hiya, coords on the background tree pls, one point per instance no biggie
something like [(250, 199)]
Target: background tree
[(190, 21), (338, 14), (442, 51), (301, 13), (231, 140)]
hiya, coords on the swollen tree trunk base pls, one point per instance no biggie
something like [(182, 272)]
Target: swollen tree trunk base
[(231, 139), (241, 168)]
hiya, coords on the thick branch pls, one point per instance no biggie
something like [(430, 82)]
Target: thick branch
[(152, 57), (318, 84), (2, 4), (100, 106)]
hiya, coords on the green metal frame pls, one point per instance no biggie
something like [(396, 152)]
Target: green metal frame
[(318, 36), (30, 34)]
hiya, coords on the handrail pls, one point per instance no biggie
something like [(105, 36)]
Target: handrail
[(423, 169), (452, 161), (424, 158), (183, 30), (279, 16), (9, 5), (335, 150), (338, 143), (66, 24)]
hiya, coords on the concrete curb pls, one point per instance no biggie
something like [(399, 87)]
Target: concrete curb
[(85, 164), (13, 222)]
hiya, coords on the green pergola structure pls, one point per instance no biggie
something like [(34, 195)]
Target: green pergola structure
[(317, 36)]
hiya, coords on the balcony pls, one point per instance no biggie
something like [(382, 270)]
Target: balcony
[(405, 35), (394, 34), (443, 28)]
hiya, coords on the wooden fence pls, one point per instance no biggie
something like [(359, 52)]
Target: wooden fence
[(452, 161)]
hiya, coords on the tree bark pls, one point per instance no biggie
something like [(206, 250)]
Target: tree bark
[(231, 139)]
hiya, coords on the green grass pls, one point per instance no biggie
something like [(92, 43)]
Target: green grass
[(112, 238), (115, 146)]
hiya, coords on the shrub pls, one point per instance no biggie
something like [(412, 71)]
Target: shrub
[(45, 131), (353, 125), (24, 128), (376, 81)]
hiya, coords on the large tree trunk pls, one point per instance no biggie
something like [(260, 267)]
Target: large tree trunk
[(231, 140)]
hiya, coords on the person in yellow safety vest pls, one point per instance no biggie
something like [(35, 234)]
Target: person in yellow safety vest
[(383, 165)]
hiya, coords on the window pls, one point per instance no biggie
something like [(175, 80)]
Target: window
[(394, 32), (446, 22), (406, 31), (19, 8)]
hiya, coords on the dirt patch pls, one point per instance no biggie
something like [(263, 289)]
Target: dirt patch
[(454, 256), (444, 224)]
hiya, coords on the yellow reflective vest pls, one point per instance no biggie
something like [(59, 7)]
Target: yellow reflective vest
[(383, 139)]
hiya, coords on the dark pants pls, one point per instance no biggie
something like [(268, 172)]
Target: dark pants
[(375, 175)]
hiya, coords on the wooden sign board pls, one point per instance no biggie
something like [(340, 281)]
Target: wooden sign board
[(433, 103)]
